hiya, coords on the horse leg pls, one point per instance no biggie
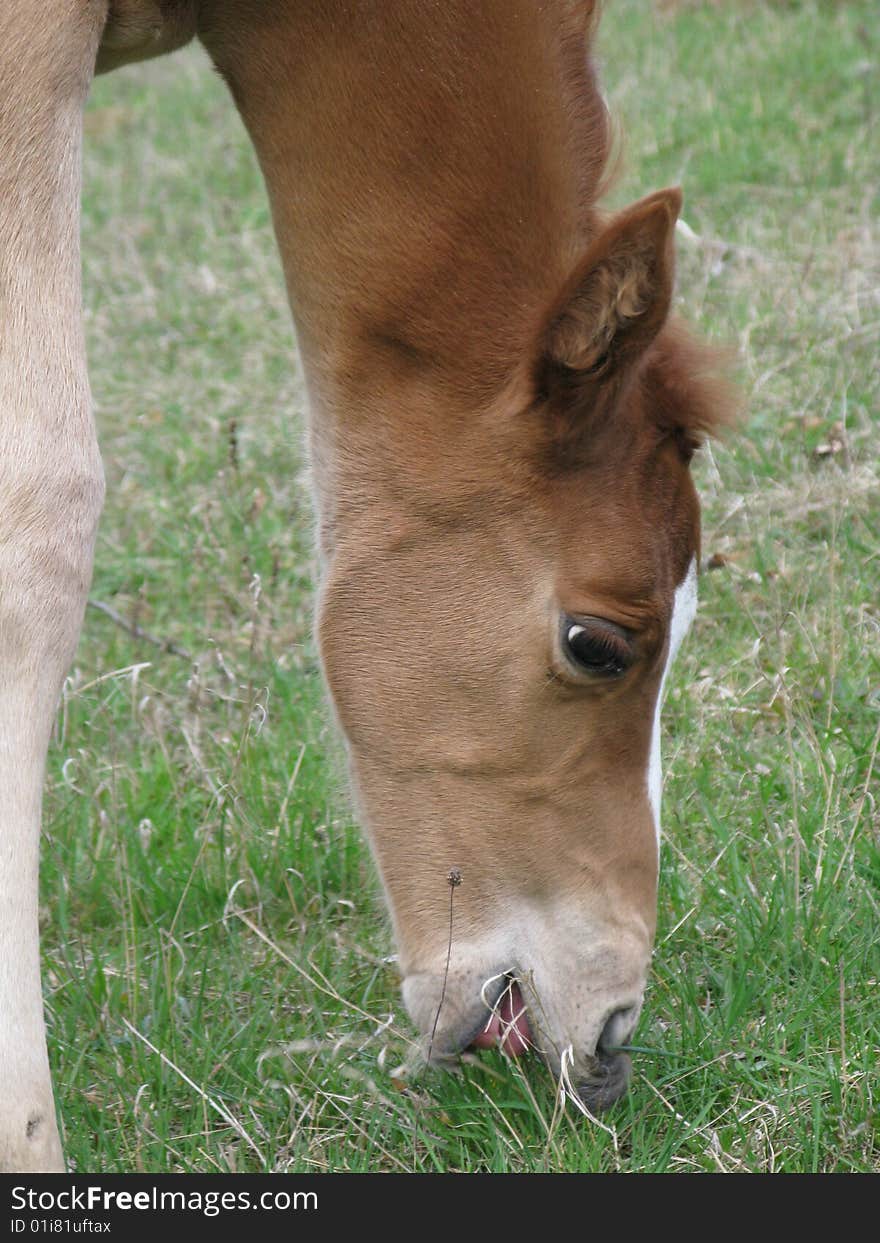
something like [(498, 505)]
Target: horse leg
[(51, 489)]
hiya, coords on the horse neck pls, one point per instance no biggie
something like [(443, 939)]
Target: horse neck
[(432, 177)]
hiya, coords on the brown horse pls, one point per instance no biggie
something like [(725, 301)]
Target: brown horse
[(502, 418)]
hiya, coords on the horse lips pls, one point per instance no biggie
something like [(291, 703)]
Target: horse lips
[(507, 1026)]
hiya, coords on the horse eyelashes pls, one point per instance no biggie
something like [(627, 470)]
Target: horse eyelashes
[(595, 648)]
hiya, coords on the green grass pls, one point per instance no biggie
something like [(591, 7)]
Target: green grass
[(205, 888)]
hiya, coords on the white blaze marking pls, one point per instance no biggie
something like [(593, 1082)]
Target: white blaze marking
[(684, 609)]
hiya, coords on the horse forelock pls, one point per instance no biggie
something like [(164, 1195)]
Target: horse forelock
[(689, 391)]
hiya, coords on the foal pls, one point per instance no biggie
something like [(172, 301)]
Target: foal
[(501, 423)]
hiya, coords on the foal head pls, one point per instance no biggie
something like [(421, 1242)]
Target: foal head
[(495, 629)]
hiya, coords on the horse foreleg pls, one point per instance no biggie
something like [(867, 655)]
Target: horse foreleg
[(51, 488)]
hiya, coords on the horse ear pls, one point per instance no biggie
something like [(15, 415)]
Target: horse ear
[(618, 297)]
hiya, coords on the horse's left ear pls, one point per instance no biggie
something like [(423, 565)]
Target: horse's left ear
[(618, 298)]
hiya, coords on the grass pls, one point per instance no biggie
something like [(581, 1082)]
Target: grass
[(218, 983)]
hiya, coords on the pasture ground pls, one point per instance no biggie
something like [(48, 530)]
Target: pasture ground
[(216, 953)]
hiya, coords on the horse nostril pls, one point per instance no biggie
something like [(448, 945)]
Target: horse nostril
[(618, 1027), (607, 1082)]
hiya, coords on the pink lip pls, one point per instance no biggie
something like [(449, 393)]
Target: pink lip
[(507, 1026)]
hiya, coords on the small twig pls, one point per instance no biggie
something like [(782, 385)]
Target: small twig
[(317, 981), (858, 816), (209, 1100), (453, 880), (290, 784), (696, 1131), (137, 632), (722, 248)]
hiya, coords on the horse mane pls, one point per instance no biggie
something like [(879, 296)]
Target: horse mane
[(689, 393), (692, 395)]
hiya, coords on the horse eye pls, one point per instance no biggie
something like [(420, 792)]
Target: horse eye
[(599, 365), (595, 646)]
